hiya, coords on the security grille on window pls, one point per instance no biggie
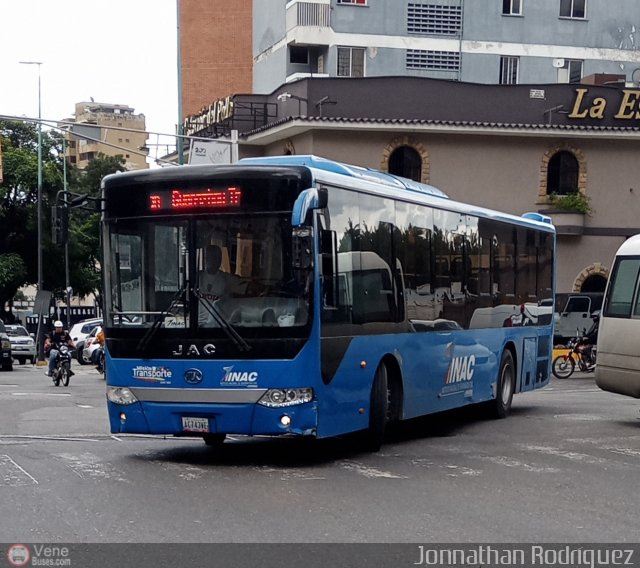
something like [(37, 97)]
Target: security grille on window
[(433, 60), (434, 19), (511, 8), (573, 8), (508, 70), (350, 62)]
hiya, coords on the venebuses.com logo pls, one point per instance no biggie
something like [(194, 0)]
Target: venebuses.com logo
[(38, 555), (18, 555)]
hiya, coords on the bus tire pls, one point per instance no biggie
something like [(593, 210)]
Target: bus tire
[(214, 440), (378, 410), (505, 387)]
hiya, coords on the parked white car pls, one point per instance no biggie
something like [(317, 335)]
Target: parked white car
[(23, 346), (90, 345), (79, 332)]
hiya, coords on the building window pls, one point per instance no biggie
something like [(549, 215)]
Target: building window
[(434, 19), (356, 2), (299, 54), (570, 72), (433, 60), (512, 7), (406, 162), (350, 62), (573, 9), (508, 70), (562, 173)]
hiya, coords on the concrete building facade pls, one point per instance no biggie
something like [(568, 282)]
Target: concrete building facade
[(109, 129), (488, 41), (504, 147)]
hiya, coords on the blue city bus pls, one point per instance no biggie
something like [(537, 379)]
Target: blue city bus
[(358, 298)]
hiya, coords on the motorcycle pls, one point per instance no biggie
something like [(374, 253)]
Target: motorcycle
[(62, 372), (581, 353)]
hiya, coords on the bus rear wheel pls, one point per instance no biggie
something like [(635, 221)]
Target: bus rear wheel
[(378, 410), (505, 387)]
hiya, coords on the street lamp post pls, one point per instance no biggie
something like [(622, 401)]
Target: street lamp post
[(40, 279)]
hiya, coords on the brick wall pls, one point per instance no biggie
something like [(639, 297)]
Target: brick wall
[(215, 45)]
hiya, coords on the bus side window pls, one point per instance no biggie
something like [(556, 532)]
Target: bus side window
[(624, 283)]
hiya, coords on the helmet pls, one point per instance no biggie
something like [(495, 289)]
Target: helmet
[(57, 323)]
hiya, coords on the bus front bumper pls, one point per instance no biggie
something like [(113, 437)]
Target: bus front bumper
[(193, 419)]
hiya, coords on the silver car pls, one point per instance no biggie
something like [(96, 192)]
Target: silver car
[(23, 347)]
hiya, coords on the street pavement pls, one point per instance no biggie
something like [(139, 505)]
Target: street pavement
[(562, 468)]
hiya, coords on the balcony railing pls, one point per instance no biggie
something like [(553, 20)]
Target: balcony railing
[(306, 14)]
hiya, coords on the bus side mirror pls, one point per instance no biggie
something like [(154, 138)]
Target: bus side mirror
[(309, 199)]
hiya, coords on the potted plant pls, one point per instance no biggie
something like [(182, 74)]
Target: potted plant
[(576, 202), (568, 211)]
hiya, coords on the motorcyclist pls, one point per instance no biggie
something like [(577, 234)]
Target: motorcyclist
[(52, 344)]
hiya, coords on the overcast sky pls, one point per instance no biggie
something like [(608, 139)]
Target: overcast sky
[(116, 51)]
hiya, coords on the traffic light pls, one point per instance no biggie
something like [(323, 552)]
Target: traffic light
[(60, 224)]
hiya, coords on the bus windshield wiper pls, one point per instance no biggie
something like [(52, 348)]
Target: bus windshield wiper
[(148, 336), (216, 314)]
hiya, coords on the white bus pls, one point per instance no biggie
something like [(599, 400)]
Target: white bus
[(618, 363)]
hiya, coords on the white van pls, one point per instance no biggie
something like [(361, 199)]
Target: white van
[(575, 314), (618, 359)]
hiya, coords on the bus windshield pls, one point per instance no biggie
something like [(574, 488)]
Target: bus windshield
[(210, 272)]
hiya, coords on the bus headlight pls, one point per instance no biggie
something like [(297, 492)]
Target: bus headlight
[(121, 395), (276, 398)]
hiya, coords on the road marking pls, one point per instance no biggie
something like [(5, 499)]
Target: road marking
[(89, 465), (370, 472), (84, 405), (41, 393), (573, 456), (9, 476), (580, 417), (457, 471), (512, 462), (56, 438)]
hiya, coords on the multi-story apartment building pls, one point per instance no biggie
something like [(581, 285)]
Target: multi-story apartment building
[(107, 129), (480, 41)]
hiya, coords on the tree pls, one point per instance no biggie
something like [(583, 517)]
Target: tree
[(18, 213)]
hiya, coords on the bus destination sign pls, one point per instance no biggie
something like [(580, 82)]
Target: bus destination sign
[(184, 200)]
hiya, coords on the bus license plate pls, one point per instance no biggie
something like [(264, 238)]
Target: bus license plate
[(191, 424)]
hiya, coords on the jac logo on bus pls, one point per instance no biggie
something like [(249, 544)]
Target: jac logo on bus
[(193, 376), (247, 378), (193, 350)]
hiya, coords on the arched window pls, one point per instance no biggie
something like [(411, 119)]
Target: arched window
[(594, 283), (405, 161), (562, 173)]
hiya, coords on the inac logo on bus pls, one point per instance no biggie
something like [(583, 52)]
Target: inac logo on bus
[(460, 369), (247, 378)]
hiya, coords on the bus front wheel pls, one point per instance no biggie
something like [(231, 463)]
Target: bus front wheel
[(505, 386), (378, 410)]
